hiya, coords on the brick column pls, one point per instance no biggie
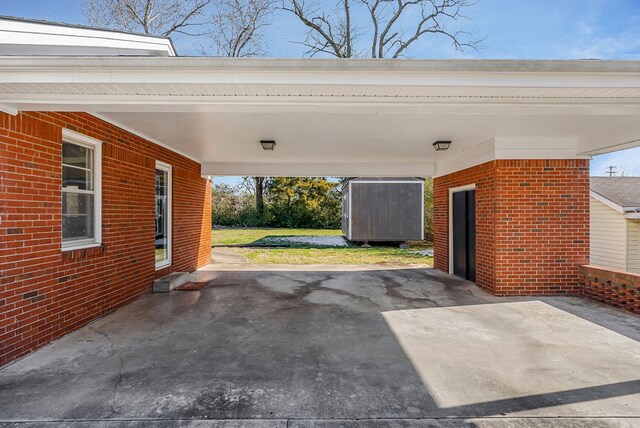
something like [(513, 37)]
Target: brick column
[(532, 224)]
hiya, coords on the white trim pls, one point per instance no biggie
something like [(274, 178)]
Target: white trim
[(81, 246), (6, 108), (612, 139), (82, 139), (453, 190), (350, 207), (632, 215), (169, 211), (507, 148), (612, 148), (28, 37), (141, 135), (422, 210), (74, 137), (471, 72), (331, 169), (476, 155), (606, 201)]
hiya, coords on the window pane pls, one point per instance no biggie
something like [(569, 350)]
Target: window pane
[(75, 178), (73, 154), (77, 216), (162, 217)]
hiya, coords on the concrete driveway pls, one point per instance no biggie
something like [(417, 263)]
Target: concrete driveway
[(319, 346)]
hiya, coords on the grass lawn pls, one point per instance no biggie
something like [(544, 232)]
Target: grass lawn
[(239, 236), (349, 255), (314, 255)]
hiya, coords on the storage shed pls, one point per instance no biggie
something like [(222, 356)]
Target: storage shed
[(615, 223), (383, 209)]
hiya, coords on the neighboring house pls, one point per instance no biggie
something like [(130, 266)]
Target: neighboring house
[(615, 222)]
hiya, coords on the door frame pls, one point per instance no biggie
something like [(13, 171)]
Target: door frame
[(168, 168), (453, 190)]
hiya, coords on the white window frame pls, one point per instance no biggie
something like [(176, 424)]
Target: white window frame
[(169, 212), (453, 190), (79, 139)]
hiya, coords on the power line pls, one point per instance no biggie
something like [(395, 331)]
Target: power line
[(611, 170)]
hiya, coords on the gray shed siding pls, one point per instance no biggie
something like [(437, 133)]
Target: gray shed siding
[(383, 211)]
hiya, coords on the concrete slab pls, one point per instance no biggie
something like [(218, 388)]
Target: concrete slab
[(342, 423), (535, 358), (358, 346), (470, 423)]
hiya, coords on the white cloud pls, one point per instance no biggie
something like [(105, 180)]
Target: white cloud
[(623, 46)]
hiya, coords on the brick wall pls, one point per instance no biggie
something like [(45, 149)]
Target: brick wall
[(532, 220), (45, 292), (484, 177), (613, 287)]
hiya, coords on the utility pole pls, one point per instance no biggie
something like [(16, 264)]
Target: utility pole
[(611, 170)]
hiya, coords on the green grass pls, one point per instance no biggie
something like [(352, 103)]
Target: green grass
[(301, 254), (239, 236), (160, 254), (347, 255)]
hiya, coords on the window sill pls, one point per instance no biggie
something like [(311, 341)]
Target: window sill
[(83, 246), (81, 252), (163, 266)]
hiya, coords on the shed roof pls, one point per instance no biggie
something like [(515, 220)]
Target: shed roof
[(622, 191), (391, 179), (382, 180)]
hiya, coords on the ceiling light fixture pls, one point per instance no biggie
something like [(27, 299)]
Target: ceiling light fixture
[(441, 146), (268, 144)]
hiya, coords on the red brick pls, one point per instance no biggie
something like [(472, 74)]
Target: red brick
[(532, 224), (80, 286), (612, 287)]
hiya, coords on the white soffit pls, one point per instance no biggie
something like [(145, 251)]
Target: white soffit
[(342, 117), (19, 37)]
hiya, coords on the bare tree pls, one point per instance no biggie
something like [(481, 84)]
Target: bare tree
[(154, 17), (394, 25), (237, 33), (238, 26)]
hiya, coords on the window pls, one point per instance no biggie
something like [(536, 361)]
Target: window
[(81, 191), (163, 215)]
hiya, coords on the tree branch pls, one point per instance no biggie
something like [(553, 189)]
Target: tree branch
[(326, 34)]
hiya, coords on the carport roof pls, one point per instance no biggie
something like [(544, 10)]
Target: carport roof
[(342, 117)]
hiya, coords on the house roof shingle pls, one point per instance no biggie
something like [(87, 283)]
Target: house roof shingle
[(622, 191)]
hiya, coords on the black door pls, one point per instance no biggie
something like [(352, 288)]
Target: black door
[(464, 234)]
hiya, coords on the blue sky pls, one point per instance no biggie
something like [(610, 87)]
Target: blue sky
[(525, 29), (518, 29)]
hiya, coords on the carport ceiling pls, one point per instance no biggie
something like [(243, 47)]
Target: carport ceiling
[(336, 117)]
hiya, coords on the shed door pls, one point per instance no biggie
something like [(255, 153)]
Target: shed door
[(345, 214), (464, 234)]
